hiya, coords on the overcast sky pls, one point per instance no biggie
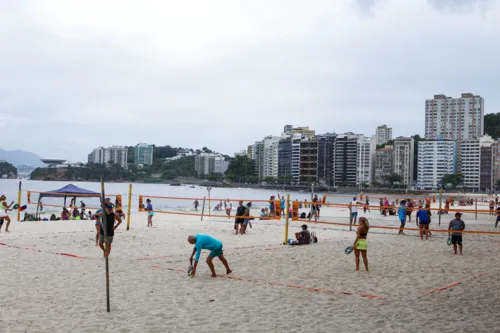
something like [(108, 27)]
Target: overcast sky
[(75, 75)]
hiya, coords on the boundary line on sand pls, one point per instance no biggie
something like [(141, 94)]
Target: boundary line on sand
[(452, 285), (320, 290), (37, 250)]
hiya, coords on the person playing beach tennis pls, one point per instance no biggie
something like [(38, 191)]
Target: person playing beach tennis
[(149, 209), (423, 221), (111, 217), (4, 207), (205, 242), (456, 227), (360, 243)]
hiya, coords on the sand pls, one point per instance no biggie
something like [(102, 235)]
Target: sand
[(44, 291)]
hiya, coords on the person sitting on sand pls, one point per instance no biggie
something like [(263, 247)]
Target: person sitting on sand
[(303, 237), (65, 214), (205, 242), (263, 214), (111, 217), (360, 243)]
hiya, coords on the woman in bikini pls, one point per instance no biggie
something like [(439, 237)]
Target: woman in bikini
[(360, 244)]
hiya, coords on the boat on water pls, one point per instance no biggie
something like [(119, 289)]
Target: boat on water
[(175, 184), (192, 186)]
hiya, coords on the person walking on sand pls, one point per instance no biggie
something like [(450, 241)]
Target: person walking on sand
[(360, 243), (196, 204), (205, 242), (151, 213), (402, 216), (353, 207), (423, 221), (229, 207), (455, 228), (4, 208), (246, 220), (239, 218), (111, 217)]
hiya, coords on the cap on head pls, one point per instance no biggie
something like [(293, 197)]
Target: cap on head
[(304, 226), (458, 214)]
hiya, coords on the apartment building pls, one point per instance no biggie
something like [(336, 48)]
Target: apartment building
[(470, 166), (143, 154), (383, 164), (345, 160), (403, 159), (435, 160), (308, 169), (326, 143), (109, 156), (383, 134), (207, 163), (454, 118)]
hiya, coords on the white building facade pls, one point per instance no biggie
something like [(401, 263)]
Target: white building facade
[(470, 157), (435, 160), (383, 134), (365, 160), (448, 118), (109, 156), (403, 159), (270, 160)]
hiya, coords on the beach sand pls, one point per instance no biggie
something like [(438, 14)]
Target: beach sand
[(274, 288)]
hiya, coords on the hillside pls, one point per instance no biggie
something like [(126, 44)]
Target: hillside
[(19, 157)]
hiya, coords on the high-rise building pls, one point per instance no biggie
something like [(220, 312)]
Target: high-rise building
[(435, 160), (496, 163), (207, 163), (471, 169), (454, 118), (403, 159), (303, 131), (383, 164), (326, 145), (270, 161), (308, 161), (345, 160), (365, 162), (258, 157), (143, 154), (109, 156), (384, 134), (285, 159)]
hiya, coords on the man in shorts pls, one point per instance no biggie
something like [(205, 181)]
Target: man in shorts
[(455, 228), (239, 219), (353, 207), (111, 217), (246, 220), (423, 221), (205, 242)]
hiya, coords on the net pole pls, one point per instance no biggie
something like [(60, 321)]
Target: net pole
[(106, 243), (440, 204), (476, 207), (19, 202), (203, 208), (209, 208), (287, 218), (129, 205)]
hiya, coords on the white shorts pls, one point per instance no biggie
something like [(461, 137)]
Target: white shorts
[(3, 214)]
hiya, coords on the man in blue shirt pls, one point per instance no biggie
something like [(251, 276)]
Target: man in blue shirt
[(423, 221), (205, 242)]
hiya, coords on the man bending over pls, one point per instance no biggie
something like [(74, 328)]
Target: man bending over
[(205, 242)]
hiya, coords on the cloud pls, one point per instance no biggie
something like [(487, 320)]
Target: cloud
[(223, 74)]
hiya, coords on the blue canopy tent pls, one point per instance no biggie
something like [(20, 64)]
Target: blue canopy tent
[(70, 190)]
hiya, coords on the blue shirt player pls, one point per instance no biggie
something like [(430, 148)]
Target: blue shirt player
[(402, 216), (205, 242), (423, 221)]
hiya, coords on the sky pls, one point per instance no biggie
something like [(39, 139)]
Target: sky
[(75, 75)]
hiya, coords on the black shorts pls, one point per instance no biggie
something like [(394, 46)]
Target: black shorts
[(408, 213), (239, 221), (456, 240)]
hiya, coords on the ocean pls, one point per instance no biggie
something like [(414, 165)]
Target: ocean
[(9, 187)]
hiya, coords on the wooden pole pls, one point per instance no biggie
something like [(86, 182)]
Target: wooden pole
[(203, 208), (440, 204), (106, 242), (129, 205), (476, 208), (19, 202), (209, 208), (287, 218)]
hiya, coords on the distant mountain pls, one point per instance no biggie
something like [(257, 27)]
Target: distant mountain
[(19, 157)]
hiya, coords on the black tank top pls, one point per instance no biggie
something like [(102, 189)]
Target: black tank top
[(110, 223)]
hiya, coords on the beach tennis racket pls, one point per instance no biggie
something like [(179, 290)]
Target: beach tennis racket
[(190, 270), (448, 241), (16, 206), (348, 250)]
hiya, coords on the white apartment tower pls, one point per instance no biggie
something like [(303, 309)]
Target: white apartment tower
[(470, 156), (383, 134), (365, 164), (109, 156), (454, 118), (403, 159), (435, 160), (270, 160)]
